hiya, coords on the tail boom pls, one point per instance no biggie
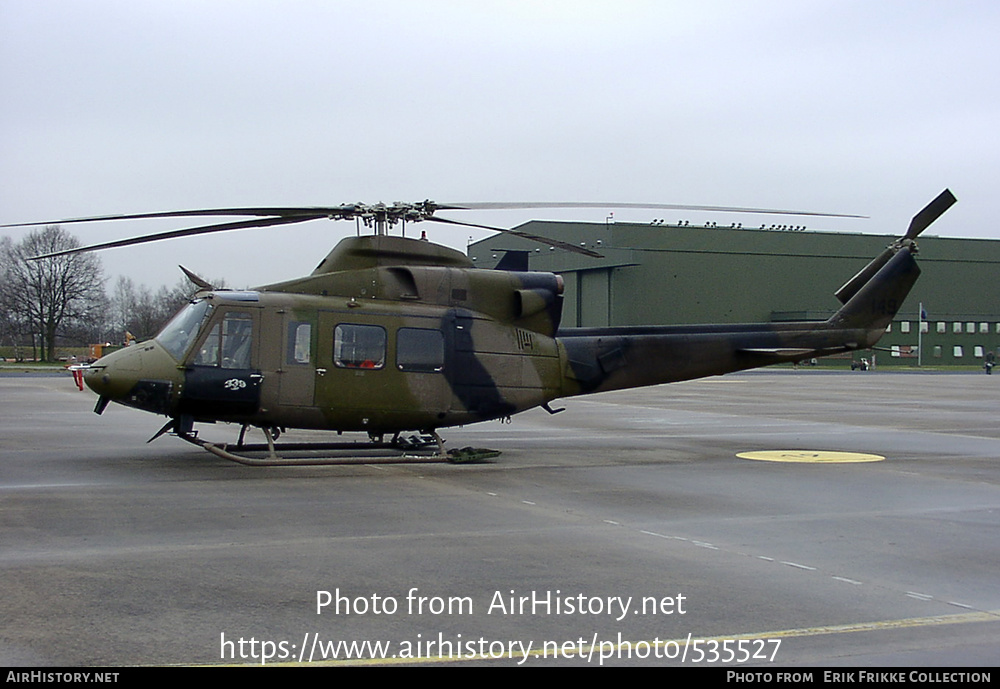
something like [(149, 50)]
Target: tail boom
[(601, 359)]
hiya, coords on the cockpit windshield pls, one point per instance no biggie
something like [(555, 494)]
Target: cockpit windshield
[(177, 335)]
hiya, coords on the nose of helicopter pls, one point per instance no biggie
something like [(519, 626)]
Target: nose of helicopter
[(142, 376), (114, 375)]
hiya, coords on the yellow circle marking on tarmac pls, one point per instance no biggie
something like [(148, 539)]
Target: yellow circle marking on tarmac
[(810, 456)]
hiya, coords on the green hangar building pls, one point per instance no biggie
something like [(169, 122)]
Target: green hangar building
[(662, 274)]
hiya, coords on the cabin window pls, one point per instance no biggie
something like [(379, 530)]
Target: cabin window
[(359, 346), (228, 343), (420, 350), (299, 342)]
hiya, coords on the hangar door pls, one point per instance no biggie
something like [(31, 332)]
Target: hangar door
[(594, 298)]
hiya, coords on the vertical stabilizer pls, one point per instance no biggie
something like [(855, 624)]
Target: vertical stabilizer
[(873, 305)]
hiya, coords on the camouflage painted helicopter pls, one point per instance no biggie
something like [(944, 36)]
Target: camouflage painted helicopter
[(391, 335)]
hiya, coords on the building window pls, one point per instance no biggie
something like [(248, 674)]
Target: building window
[(359, 346), (956, 327), (894, 351), (925, 327), (970, 328), (888, 328), (942, 327), (984, 328), (937, 351), (977, 352), (957, 351), (904, 327)]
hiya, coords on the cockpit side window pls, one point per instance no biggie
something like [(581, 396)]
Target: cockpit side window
[(182, 330), (229, 342)]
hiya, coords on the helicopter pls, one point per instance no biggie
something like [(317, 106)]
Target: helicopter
[(392, 335)]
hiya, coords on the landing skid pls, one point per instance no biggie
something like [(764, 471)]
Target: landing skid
[(424, 448)]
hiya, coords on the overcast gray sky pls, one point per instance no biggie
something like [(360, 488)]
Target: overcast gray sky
[(140, 105)]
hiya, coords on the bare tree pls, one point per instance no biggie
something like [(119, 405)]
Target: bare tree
[(51, 295), (135, 310), (13, 326), (169, 300)]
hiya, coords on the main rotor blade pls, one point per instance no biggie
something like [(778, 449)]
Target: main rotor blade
[(652, 206), (517, 233), (172, 234), (423, 210), (284, 212), (931, 212)]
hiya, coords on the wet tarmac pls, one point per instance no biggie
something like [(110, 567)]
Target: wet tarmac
[(624, 530)]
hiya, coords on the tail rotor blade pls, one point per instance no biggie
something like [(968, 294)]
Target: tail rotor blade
[(931, 212), (920, 222)]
